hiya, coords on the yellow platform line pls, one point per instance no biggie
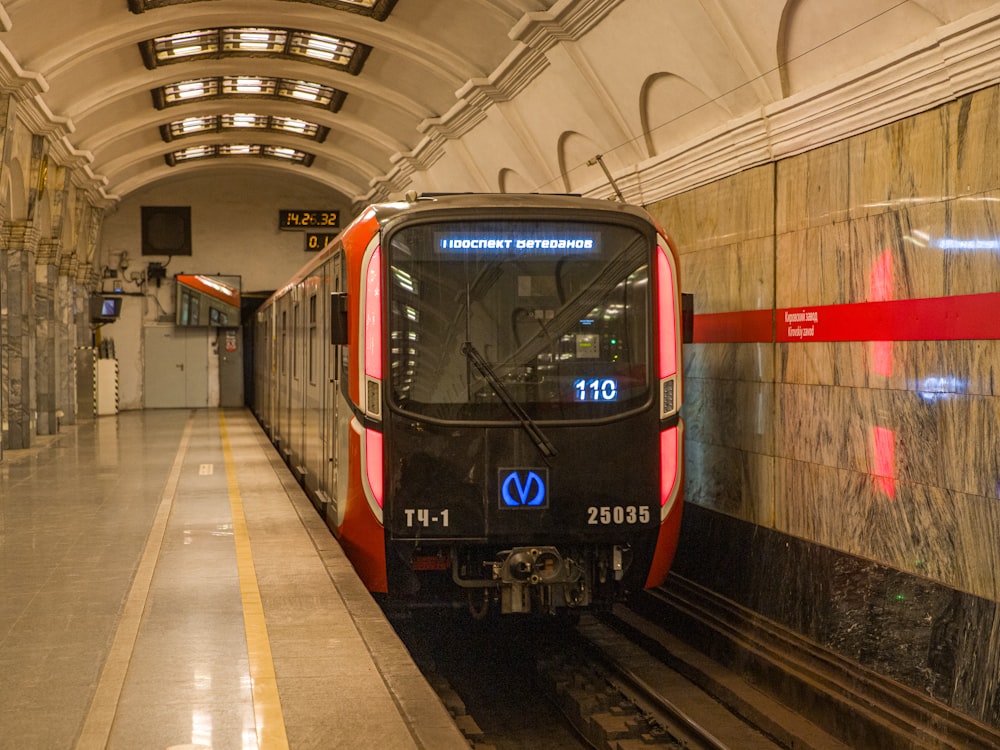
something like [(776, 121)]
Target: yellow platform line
[(264, 685)]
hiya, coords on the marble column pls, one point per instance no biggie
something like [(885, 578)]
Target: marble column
[(19, 337), (66, 345), (4, 376), (46, 340)]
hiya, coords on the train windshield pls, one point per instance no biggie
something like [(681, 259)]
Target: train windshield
[(560, 311)]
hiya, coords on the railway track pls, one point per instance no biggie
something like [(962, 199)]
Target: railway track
[(524, 682), (621, 681), (803, 689), (621, 696)]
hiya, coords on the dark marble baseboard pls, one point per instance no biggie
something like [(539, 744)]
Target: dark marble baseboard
[(937, 640)]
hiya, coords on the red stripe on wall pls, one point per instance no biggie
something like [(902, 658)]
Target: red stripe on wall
[(742, 327), (962, 317)]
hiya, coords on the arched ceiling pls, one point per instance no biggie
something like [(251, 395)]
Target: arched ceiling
[(475, 94)]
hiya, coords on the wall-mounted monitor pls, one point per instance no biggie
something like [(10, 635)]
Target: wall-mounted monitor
[(105, 308), (204, 300)]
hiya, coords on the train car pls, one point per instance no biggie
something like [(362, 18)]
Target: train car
[(481, 395)]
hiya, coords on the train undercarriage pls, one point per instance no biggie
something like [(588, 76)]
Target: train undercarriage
[(529, 579)]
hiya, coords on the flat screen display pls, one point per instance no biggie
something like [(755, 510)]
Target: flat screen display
[(204, 300)]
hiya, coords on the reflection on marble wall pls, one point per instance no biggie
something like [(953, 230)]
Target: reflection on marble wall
[(883, 451), (935, 639)]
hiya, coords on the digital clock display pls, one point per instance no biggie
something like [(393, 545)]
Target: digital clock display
[(595, 389), (302, 219)]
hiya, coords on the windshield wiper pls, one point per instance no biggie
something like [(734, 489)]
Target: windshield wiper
[(543, 444)]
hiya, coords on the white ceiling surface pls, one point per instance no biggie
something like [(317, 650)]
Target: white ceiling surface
[(512, 95)]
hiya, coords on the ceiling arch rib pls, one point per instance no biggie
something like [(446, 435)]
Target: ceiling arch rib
[(137, 88), (151, 174), (352, 173), (443, 66), (378, 10), (358, 138), (353, 170), (368, 138)]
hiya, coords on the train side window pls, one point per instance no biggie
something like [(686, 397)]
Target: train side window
[(295, 333), (338, 318), (312, 339), (284, 342)]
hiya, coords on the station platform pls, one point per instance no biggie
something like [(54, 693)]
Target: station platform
[(166, 584)]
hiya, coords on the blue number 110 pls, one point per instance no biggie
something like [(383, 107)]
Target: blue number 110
[(596, 389)]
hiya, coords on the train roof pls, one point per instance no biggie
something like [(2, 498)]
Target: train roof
[(438, 201)]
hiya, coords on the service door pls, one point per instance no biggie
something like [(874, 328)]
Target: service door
[(230, 367), (176, 371)]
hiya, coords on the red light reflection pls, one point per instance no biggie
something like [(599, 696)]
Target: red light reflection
[(883, 443), (880, 283)]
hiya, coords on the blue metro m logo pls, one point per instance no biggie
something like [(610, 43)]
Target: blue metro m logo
[(524, 488)]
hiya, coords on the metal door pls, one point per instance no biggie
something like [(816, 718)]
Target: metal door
[(176, 367)]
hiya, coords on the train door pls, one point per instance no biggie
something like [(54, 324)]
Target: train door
[(327, 355), (269, 362), (312, 379), (266, 379), (284, 389), (297, 401), (339, 413)]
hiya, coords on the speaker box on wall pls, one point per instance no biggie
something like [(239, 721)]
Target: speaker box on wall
[(166, 230)]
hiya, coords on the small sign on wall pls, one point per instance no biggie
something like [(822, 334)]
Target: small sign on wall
[(317, 241)]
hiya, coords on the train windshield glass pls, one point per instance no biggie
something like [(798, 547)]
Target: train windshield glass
[(559, 310)]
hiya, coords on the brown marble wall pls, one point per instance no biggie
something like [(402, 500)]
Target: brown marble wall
[(881, 451)]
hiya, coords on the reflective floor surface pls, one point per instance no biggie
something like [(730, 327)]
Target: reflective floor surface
[(166, 585)]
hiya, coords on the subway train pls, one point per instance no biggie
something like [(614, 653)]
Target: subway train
[(480, 394)]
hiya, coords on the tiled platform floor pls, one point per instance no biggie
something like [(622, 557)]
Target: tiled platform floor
[(166, 584)]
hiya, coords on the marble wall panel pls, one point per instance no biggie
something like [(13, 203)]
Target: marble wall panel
[(736, 482), (730, 413), (743, 361), (899, 165), (893, 255), (899, 435), (931, 369), (812, 189), (969, 241), (918, 528), (725, 212), (724, 278), (813, 363), (974, 131), (812, 266), (889, 256)]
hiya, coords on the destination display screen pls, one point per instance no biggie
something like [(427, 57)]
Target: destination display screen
[(548, 243)]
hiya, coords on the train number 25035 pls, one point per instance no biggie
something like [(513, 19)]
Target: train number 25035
[(607, 515)]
